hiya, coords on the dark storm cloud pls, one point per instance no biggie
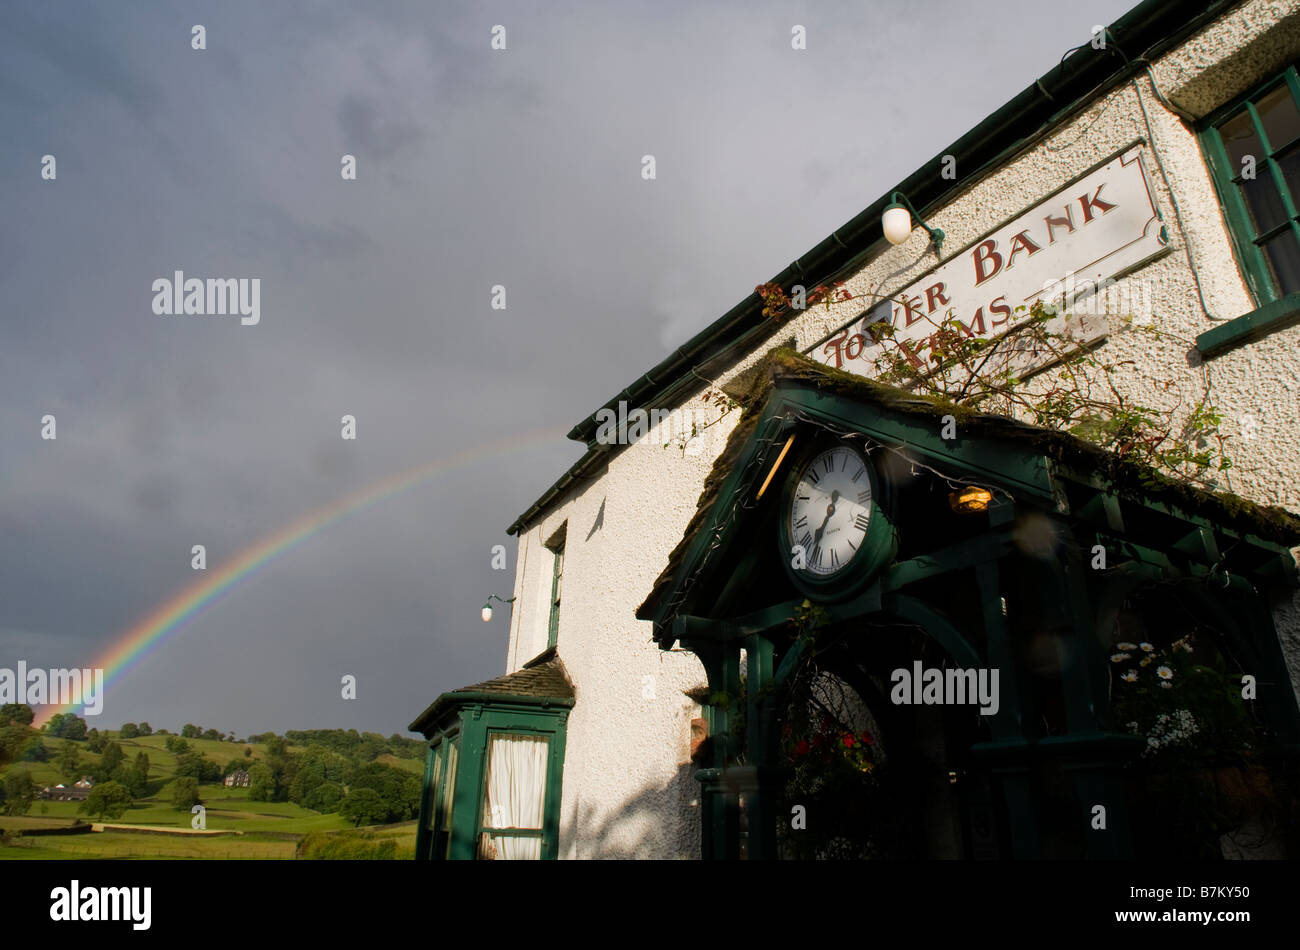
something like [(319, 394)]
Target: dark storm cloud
[(475, 168)]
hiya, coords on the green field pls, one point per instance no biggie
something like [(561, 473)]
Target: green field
[(268, 830)]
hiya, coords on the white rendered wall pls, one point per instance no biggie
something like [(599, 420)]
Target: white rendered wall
[(628, 790)]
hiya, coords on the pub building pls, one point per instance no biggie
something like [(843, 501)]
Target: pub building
[(848, 619)]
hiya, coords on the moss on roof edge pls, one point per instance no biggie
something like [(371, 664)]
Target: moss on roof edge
[(1125, 477)]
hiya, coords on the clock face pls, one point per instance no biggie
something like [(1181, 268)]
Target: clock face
[(830, 510)]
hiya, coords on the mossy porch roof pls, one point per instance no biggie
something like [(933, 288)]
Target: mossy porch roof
[(1126, 478), (543, 680)]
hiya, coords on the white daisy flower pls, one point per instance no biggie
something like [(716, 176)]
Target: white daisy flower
[(1126, 646), (1167, 685), (1119, 657), (1130, 676), (1164, 672), (1147, 648)]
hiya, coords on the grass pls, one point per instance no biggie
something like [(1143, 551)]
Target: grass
[(270, 830), (123, 844)]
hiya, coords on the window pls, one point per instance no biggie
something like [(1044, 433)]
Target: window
[(514, 798), (557, 574), (442, 789), (1253, 149), (495, 767)]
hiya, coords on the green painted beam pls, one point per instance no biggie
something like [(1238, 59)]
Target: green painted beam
[(960, 556), (1249, 327)]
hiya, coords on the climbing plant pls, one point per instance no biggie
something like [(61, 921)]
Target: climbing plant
[(1040, 373)]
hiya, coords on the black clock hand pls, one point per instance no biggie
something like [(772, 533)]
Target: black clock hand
[(830, 510)]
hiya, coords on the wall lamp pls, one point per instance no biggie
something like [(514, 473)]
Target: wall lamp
[(487, 607), (897, 222), (970, 500)]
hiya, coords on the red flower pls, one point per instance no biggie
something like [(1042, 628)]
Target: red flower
[(802, 748), (848, 742), (868, 738)]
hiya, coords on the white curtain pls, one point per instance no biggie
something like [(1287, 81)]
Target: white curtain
[(515, 795)]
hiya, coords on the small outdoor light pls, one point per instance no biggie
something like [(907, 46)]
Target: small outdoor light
[(970, 500), (897, 222), (487, 607)]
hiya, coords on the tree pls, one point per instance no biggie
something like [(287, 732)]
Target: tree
[(261, 783), (363, 805), (95, 742), (314, 767), (212, 734), (66, 726), (107, 800), (19, 713), (196, 766), (34, 750), (185, 794), (136, 778), (176, 746), (324, 798), (190, 731), (13, 738), (112, 757), (398, 790), (146, 729), (19, 790), (129, 730), (69, 763)]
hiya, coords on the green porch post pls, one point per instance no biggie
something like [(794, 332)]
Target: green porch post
[(720, 818), (760, 744), (1093, 758), (1008, 725)]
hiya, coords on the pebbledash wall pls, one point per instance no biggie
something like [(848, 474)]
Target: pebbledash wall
[(628, 789)]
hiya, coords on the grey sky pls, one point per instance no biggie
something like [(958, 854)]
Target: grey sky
[(475, 168)]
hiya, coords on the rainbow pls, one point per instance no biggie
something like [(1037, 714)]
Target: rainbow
[(138, 640)]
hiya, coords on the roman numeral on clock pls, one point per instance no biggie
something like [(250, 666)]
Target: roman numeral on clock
[(801, 523), (835, 559), (860, 522), (805, 540), (864, 497)]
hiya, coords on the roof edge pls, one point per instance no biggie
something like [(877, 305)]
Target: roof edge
[(1153, 26)]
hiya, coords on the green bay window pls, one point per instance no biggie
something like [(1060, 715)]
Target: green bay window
[(495, 766)]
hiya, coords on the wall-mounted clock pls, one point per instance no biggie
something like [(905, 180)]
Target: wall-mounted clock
[(833, 528)]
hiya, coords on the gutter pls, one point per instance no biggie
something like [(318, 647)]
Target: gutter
[(1147, 30)]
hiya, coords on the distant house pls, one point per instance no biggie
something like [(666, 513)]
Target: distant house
[(79, 791), (237, 779)]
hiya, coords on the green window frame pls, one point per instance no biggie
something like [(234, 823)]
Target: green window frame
[(557, 574), (1262, 211), (436, 812), (492, 827), (454, 817)]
